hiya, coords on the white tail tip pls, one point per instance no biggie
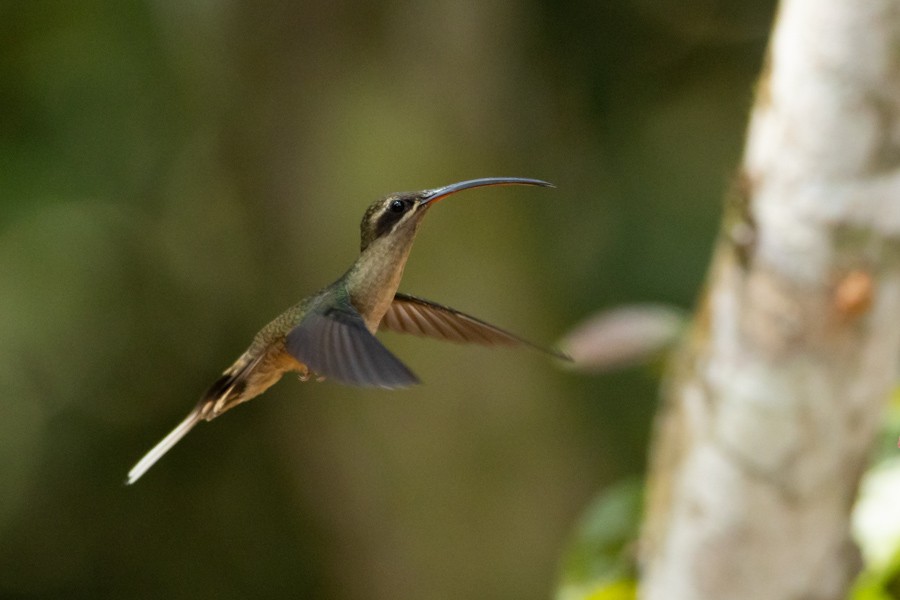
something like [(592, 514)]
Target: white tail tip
[(164, 446)]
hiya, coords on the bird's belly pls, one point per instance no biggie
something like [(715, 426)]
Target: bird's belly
[(257, 380), (276, 364)]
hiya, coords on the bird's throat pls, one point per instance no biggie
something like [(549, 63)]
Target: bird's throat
[(373, 280)]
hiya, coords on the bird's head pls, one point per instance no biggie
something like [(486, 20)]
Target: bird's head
[(398, 215)]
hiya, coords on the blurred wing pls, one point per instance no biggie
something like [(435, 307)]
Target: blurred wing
[(335, 343), (408, 314)]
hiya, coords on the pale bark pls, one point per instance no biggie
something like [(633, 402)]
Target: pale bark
[(774, 402)]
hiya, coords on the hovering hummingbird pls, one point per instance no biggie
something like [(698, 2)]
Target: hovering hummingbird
[(331, 334)]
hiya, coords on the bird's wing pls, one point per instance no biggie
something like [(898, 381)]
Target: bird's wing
[(408, 314), (336, 344)]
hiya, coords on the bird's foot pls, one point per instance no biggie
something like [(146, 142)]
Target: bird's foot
[(307, 375)]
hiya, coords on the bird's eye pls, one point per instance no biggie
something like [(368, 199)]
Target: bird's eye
[(397, 206)]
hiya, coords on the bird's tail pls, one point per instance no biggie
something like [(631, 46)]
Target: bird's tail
[(165, 445), (225, 392)]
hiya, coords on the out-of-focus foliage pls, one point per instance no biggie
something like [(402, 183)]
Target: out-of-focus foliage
[(624, 336), (600, 562), (876, 520), (175, 173), (881, 582), (624, 589)]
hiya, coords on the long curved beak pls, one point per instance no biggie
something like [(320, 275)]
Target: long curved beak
[(434, 195)]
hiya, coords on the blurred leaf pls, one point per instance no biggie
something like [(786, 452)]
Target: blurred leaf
[(623, 337), (876, 520), (880, 583), (625, 589), (600, 562)]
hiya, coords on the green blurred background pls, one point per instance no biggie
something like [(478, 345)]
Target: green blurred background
[(173, 174)]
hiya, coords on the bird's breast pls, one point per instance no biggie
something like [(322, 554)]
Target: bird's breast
[(374, 279), (374, 299)]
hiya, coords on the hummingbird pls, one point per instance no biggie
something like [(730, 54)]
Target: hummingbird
[(331, 334)]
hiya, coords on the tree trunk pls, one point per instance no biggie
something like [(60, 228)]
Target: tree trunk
[(775, 399)]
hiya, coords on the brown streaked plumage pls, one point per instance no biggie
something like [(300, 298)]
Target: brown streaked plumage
[(331, 333)]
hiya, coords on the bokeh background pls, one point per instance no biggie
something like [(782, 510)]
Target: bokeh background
[(173, 174)]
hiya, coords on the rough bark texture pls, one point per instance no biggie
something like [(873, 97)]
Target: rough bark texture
[(774, 401)]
